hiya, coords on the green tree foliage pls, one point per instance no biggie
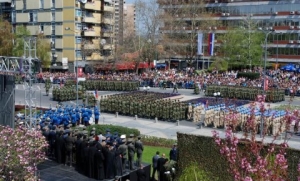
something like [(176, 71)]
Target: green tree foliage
[(43, 51), (19, 35), (219, 65), (193, 172), (6, 37), (242, 47)]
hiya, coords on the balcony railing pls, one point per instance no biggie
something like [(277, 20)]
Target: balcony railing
[(109, 8), (95, 5), (89, 19)]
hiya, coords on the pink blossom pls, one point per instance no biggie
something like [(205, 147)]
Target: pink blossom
[(248, 179)]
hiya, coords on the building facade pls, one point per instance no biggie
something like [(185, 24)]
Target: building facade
[(79, 30), (281, 16), (119, 18), (129, 20)]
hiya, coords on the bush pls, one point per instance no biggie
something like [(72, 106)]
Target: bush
[(249, 75), (193, 172), (21, 150), (120, 129)]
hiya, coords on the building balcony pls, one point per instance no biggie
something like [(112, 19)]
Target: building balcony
[(96, 5), (95, 18), (94, 57), (89, 20), (108, 47), (91, 46), (109, 8), (91, 31), (107, 34), (109, 21)]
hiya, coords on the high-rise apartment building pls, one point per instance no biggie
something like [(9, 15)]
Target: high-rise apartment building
[(78, 30), (119, 14), (129, 20), (279, 15)]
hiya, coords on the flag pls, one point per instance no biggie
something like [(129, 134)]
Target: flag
[(211, 44), (200, 44), (96, 93), (266, 84)]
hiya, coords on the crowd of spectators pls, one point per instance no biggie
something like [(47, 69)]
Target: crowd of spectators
[(187, 78)]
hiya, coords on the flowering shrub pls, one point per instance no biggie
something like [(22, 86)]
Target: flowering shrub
[(260, 159), (20, 152)]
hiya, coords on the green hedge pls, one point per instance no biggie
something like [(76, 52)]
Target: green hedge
[(249, 75), (203, 151), (156, 141), (120, 129)]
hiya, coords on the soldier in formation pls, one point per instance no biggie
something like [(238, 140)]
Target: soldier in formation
[(47, 86), (151, 105), (245, 93)]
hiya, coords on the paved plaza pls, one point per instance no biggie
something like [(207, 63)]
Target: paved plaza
[(148, 127)]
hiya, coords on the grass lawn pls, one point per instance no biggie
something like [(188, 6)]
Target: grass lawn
[(149, 152)]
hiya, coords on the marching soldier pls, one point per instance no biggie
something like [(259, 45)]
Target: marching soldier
[(47, 86)]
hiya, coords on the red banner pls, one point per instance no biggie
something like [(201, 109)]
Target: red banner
[(266, 84), (80, 73)]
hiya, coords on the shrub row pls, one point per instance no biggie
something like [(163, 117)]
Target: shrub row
[(147, 140), (249, 75), (120, 129)]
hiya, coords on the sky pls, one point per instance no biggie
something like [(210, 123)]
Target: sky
[(129, 1)]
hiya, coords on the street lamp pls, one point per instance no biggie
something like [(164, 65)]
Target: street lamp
[(217, 94), (267, 32), (76, 61), (280, 33)]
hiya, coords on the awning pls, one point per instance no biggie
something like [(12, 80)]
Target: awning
[(144, 65), (161, 65)]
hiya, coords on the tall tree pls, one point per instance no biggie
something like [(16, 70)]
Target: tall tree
[(148, 23), (241, 46), (182, 25), (43, 51), (6, 38), (19, 35)]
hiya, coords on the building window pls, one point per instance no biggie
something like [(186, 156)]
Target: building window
[(78, 39), (53, 16), (53, 29), (41, 4), (42, 28), (34, 16), (78, 26), (78, 53), (78, 13), (53, 3)]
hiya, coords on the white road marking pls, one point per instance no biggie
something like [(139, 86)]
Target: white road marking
[(72, 102), (17, 86), (39, 87), (23, 86)]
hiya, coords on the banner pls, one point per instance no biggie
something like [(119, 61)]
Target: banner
[(211, 44), (200, 44), (80, 73)]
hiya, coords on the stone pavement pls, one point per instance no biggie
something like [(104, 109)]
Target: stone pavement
[(169, 130)]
